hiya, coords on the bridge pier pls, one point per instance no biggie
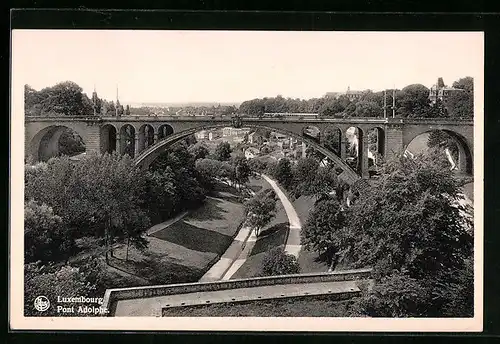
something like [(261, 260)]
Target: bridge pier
[(393, 140), (118, 144), (136, 144), (343, 148), (363, 156)]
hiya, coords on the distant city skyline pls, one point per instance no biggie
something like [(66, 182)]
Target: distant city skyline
[(234, 66)]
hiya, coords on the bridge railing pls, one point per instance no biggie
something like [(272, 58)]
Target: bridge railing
[(113, 295), (318, 119)]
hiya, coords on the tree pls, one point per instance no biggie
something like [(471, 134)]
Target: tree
[(199, 151), (440, 140), (278, 262), (127, 110), (460, 104), (413, 101), (438, 110), (283, 173), (53, 283), (466, 84), (160, 193), (111, 109), (257, 165), (411, 225), (395, 296), (65, 98), (333, 107), (367, 109), (311, 179), (241, 170), (99, 195), (223, 151), (32, 101), (323, 229), (70, 143), (212, 170), (331, 139), (303, 174), (260, 210), (45, 237)]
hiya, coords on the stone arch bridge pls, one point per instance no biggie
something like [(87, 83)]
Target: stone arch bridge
[(146, 137)]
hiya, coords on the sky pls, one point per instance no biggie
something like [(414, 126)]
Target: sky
[(233, 66)]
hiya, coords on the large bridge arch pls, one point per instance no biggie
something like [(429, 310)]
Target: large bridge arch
[(145, 158), (42, 141), (465, 149)]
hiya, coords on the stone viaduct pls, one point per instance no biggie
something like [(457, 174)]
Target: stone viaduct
[(146, 137)]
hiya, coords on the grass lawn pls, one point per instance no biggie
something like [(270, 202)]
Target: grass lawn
[(306, 307), (303, 206), (156, 269), (310, 262), (194, 238), (210, 228), (257, 184), (186, 249)]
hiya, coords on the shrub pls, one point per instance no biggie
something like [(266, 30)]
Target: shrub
[(278, 262)]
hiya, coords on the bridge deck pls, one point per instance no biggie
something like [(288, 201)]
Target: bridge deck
[(152, 306)]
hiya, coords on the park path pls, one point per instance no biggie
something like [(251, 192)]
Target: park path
[(165, 224), (293, 242), (230, 261), (242, 246)]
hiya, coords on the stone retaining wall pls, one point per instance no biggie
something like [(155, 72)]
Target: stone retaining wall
[(113, 295)]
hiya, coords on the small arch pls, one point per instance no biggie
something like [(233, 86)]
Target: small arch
[(376, 145), (331, 138), (354, 148), (164, 131), (146, 137), (127, 140), (452, 144), (108, 138)]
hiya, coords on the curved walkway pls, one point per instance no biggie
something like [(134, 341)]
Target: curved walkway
[(242, 246), (293, 242), (229, 262)]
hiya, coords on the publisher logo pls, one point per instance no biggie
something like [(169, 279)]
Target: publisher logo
[(42, 303)]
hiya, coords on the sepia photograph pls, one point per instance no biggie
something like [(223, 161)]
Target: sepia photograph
[(229, 180)]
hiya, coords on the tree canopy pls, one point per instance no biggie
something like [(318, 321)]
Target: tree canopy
[(261, 209)]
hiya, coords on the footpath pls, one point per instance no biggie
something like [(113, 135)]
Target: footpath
[(293, 242), (242, 245)]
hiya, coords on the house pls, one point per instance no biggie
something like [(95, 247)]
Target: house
[(256, 138), (251, 137), (441, 92), (234, 132), (278, 136), (201, 135), (350, 94), (213, 135), (251, 153)]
